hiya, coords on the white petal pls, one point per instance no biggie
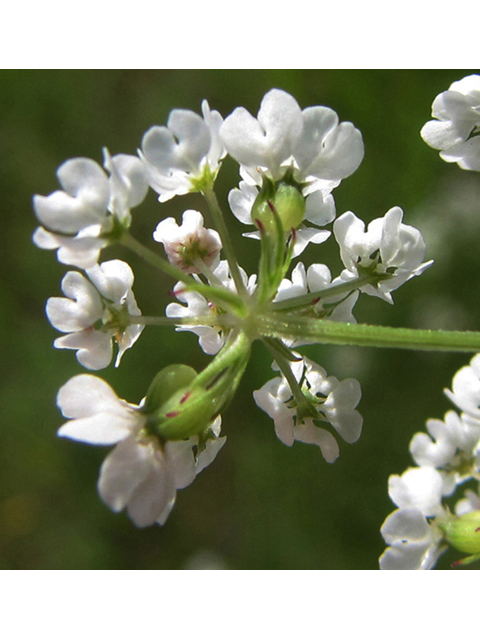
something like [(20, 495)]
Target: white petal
[(103, 428), (113, 279), (341, 155), (405, 524), (122, 471), (132, 185), (241, 201), (265, 142), (318, 122), (410, 557), (320, 208), (311, 434), (181, 462), (153, 498), (208, 455), (420, 488), (80, 309), (65, 214), (94, 348), (44, 239), (305, 235), (85, 179), (85, 395)]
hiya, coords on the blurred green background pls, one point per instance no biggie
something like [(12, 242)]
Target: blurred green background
[(261, 505)]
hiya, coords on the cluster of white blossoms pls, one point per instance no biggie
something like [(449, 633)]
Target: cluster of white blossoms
[(457, 124), (448, 457), (99, 306), (430, 517), (290, 161)]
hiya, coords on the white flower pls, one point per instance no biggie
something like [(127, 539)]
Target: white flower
[(179, 155), (318, 278), (95, 311), (311, 143), (388, 248), (415, 543), (211, 338), (335, 402), (457, 113), (451, 446), (319, 210), (466, 388), (419, 488), (78, 220), (140, 474), (190, 243)]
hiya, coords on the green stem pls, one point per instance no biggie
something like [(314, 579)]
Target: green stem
[(220, 295), (219, 222), (236, 349), (337, 289), (328, 332), (277, 353), (219, 320)]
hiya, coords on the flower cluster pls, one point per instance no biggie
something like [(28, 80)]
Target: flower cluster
[(99, 306), (457, 123), (290, 161), (423, 526), (430, 517)]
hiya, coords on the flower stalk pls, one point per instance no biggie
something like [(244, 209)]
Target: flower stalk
[(327, 332), (217, 215)]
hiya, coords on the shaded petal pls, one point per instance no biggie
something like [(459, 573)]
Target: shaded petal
[(208, 455), (113, 279), (405, 525), (80, 309), (342, 153), (94, 347), (65, 214), (122, 471), (320, 208), (129, 181), (153, 498), (85, 395), (408, 557), (310, 434), (85, 179), (181, 461), (420, 488)]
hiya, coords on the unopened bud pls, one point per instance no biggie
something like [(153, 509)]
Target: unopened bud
[(284, 199), (463, 532), (166, 383)]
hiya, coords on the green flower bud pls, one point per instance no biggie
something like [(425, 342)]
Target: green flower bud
[(181, 403), (290, 205), (166, 383), (463, 532), (284, 199), (188, 412)]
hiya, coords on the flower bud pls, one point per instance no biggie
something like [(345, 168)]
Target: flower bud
[(463, 533), (188, 412), (284, 199), (166, 383)]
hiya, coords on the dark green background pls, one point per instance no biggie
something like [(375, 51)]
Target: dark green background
[(261, 505)]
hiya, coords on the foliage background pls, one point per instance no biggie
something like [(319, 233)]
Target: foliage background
[(261, 505)]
